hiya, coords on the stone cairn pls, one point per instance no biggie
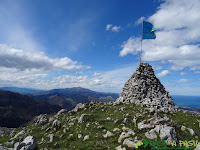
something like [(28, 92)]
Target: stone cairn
[(144, 88)]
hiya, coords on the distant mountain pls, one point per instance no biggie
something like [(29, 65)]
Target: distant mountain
[(70, 97), (67, 97), (16, 109), (26, 91), (78, 90)]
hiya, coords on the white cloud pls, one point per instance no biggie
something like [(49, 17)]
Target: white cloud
[(116, 28), (195, 68), (197, 72), (131, 46), (163, 73), (96, 74), (184, 80), (110, 27), (183, 73), (26, 60), (177, 29), (139, 21)]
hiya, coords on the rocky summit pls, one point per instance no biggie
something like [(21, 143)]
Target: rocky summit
[(144, 88)]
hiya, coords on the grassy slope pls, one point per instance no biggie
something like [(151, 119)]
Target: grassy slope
[(96, 141)]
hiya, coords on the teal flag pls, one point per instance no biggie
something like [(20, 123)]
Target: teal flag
[(148, 31)]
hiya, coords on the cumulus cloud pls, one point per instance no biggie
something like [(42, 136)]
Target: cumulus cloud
[(96, 74), (183, 73), (163, 73), (131, 46), (197, 72), (184, 80), (110, 27), (177, 29), (25, 60), (139, 21)]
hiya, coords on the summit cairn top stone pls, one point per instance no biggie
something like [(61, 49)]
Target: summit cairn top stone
[(144, 88)]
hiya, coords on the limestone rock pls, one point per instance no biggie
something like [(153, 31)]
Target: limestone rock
[(78, 106), (166, 133), (61, 112), (56, 123), (120, 148), (124, 135), (130, 142), (191, 131), (87, 137), (27, 144), (183, 128), (80, 120), (197, 147), (5, 148), (41, 119), (151, 134), (108, 134)]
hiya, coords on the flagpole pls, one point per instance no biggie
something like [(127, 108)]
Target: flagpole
[(141, 44)]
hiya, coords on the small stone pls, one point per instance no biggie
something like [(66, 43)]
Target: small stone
[(108, 134), (87, 137)]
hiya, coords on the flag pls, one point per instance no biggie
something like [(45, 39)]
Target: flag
[(148, 31)]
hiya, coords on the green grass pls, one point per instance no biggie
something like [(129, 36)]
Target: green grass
[(97, 141)]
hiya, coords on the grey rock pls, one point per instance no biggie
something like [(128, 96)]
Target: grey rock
[(51, 138), (18, 134), (120, 148), (108, 134), (80, 120), (5, 148), (78, 106), (87, 137), (5, 131), (183, 128), (27, 144), (166, 133), (151, 134), (41, 119), (197, 147), (144, 126), (56, 123), (61, 112), (191, 131)]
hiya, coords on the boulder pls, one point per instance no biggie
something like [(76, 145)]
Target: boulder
[(56, 123), (41, 119), (78, 106), (166, 133), (151, 134), (61, 112), (27, 144)]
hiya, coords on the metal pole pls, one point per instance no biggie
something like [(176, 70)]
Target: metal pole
[(141, 44)]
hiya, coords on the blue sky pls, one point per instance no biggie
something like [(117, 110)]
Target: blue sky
[(95, 44)]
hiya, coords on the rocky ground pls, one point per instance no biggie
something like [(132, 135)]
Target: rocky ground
[(103, 126)]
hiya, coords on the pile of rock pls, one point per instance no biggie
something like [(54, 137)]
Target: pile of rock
[(144, 88)]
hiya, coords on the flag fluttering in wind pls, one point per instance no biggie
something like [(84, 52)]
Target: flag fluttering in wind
[(148, 31)]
